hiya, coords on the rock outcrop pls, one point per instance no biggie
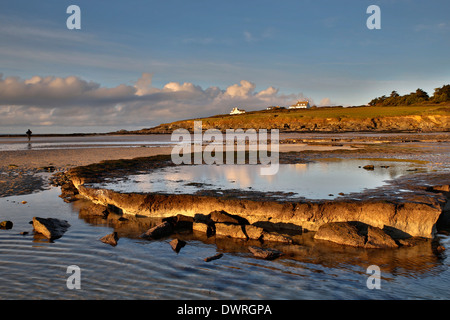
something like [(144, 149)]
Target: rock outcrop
[(257, 217), (412, 218), (161, 230), (308, 123), (111, 239), (51, 228), (355, 234), (214, 257), (177, 244), (265, 253), (6, 224)]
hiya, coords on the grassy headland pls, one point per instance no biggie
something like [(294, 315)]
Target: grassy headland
[(428, 117)]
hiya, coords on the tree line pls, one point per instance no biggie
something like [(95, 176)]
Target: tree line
[(420, 96)]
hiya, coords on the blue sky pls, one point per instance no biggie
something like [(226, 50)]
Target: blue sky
[(213, 54)]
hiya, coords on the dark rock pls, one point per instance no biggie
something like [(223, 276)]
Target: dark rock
[(51, 228), (69, 192), (275, 236), (441, 188), (199, 217), (230, 230), (411, 242), (94, 210), (224, 217), (265, 253), (183, 222), (377, 238), (254, 232), (417, 218), (356, 234), (111, 239), (68, 189), (340, 232), (113, 209), (177, 244), (6, 224), (214, 257), (207, 228), (180, 221), (161, 230)]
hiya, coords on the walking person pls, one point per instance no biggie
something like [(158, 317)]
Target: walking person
[(29, 134)]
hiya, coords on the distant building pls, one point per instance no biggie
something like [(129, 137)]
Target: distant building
[(300, 105), (274, 108), (237, 111)]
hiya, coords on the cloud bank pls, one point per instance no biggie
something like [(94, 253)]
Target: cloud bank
[(72, 101)]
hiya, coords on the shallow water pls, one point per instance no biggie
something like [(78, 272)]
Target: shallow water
[(74, 142), (34, 268), (315, 180)]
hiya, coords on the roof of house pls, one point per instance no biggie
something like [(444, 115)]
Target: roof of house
[(302, 103)]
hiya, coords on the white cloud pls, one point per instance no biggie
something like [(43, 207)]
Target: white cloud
[(144, 84), (245, 89), (326, 102), (69, 101)]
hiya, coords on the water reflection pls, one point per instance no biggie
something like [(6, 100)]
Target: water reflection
[(316, 180), (144, 269), (305, 252)]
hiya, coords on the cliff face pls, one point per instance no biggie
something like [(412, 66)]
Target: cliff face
[(413, 123)]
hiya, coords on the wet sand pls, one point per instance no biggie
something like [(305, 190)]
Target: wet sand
[(63, 159), (23, 171)]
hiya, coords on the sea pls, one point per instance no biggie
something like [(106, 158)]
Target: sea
[(34, 268)]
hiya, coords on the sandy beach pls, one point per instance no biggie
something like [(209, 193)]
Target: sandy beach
[(25, 171), (21, 170), (62, 159)]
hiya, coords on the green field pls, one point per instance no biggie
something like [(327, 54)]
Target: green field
[(339, 112), (423, 117)]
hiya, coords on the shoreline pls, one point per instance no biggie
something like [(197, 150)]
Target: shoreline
[(137, 133), (398, 219), (412, 214), (20, 170)]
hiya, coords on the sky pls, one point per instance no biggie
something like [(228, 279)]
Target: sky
[(136, 64)]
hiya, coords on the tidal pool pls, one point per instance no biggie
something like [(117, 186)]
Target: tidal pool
[(34, 268), (316, 180)]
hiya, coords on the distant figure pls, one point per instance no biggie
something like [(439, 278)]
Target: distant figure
[(29, 134)]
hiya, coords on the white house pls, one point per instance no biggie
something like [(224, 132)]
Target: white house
[(274, 108), (300, 105), (237, 111)]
